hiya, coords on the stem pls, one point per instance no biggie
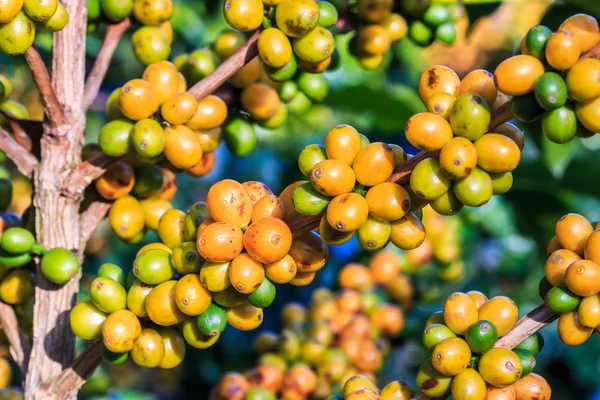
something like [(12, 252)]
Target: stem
[(88, 171), (91, 218), (19, 344), (227, 69), (23, 159), (111, 40), (52, 107), (68, 382), (57, 217)]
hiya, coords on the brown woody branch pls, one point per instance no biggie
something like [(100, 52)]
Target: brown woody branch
[(227, 69), (91, 218), (23, 159), (20, 347), (86, 173), (534, 321), (111, 40), (52, 106), (527, 326), (69, 381)]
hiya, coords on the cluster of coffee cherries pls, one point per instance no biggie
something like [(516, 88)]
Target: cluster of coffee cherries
[(218, 264), (551, 79), (348, 187), (571, 286), (19, 20), (295, 28), (361, 387), (340, 334), (259, 94), (153, 118), (467, 163), (464, 362), (153, 36)]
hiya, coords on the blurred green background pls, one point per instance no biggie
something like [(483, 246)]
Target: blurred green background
[(503, 242)]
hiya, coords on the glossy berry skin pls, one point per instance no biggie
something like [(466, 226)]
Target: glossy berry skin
[(585, 30), (17, 35), (150, 45), (458, 158), (428, 131), (517, 75), (316, 46), (562, 50), (243, 15), (438, 79), (296, 18), (582, 80), (470, 116), (274, 48)]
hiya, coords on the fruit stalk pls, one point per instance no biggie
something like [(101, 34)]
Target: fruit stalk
[(88, 171), (67, 384), (52, 106), (534, 321), (23, 159), (227, 69), (57, 216), (19, 344), (113, 35), (527, 326), (91, 218)]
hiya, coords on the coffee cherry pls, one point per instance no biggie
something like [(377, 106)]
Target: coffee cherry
[(260, 101), (10, 9), (347, 212), (179, 109), (517, 75), (431, 382), (126, 217), (571, 331), (584, 29), (440, 103), (500, 367), (243, 15), (86, 321), (150, 45), (474, 190), (17, 287), (138, 99), (120, 331), (268, 240), (497, 153), (297, 18), (316, 46), (428, 131), (407, 232), (274, 48), (470, 116), (374, 163), (17, 35), (438, 79), (228, 42), (59, 265), (562, 50), (428, 181), (153, 12), (534, 43)]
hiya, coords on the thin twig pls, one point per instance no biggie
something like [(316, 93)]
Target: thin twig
[(23, 159), (111, 40), (20, 348), (86, 173), (534, 321), (304, 224), (52, 107), (226, 70), (67, 383), (91, 218), (527, 326)]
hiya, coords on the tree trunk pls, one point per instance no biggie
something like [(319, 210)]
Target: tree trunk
[(57, 216)]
